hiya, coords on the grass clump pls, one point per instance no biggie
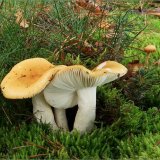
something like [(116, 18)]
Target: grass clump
[(56, 29), (143, 89)]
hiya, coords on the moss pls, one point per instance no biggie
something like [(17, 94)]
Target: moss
[(134, 135)]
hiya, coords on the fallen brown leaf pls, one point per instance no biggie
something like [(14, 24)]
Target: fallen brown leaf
[(103, 24), (98, 44), (24, 23), (157, 63), (20, 20), (45, 8), (91, 6)]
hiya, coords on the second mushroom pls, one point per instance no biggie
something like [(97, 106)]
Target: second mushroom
[(60, 87)]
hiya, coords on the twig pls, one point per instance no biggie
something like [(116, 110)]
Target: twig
[(136, 48), (62, 47), (38, 155), (56, 145), (1, 5), (19, 147), (135, 55), (32, 144), (6, 115)]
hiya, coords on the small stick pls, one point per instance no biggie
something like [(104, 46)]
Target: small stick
[(38, 146), (6, 115), (1, 5), (38, 155), (19, 147)]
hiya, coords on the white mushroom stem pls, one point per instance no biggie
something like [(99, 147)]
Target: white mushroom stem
[(42, 111), (147, 59), (86, 113), (61, 119)]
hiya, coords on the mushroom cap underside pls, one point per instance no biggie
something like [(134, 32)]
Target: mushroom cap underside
[(61, 92), (27, 78), (76, 77)]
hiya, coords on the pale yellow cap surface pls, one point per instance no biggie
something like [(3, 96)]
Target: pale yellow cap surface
[(27, 78), (31, 76)]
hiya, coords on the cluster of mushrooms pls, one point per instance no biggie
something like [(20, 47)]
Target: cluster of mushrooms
[(60, 87)]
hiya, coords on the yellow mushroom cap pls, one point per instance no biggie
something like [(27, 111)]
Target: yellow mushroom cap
[(150, 48), (31, 76), (111, 67), (27, 78)]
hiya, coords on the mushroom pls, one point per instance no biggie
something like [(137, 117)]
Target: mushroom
[(149, 49), (65, 87), (133, 68), (157, 63), (26, 80)]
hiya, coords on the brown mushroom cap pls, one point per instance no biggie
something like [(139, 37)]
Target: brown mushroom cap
[(27, 78), (150, 48), (134, 67)]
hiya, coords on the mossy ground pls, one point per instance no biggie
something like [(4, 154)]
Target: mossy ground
[(128, 115)]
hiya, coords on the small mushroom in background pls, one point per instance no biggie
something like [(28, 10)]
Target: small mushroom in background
[(61, 87), (134, 67), (157, 63), (149, 49)]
